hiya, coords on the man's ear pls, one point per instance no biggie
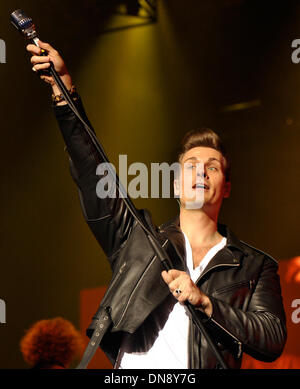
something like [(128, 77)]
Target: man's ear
[(227, 189)]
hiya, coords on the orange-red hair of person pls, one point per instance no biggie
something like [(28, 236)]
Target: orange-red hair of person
[(52, 343)]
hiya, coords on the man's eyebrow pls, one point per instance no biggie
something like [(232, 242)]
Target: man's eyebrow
[(214, 159), (211, 159), (191, 158)]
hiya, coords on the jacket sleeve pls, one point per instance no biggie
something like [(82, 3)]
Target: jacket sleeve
[(108, 218), (259, 330)]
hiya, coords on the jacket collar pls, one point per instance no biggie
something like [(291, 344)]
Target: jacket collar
[(172, 228)]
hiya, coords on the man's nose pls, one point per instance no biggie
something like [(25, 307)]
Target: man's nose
[(202, 173)]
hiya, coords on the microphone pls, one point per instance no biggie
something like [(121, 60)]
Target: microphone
[(23, 23), (25, 26)]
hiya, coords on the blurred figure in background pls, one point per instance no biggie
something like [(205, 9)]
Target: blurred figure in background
[(52, 344)]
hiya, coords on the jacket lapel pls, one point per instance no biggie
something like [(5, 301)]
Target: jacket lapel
[(230, 255), (173, 233)]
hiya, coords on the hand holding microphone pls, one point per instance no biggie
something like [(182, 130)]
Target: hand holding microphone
[(41, 61), (45, 58)]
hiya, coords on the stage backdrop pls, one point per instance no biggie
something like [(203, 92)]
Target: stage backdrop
[(289, 271)]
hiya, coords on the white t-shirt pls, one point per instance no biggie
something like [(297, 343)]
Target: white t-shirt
[(170, 348)]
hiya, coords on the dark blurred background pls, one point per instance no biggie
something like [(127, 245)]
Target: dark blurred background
[(224, 64)]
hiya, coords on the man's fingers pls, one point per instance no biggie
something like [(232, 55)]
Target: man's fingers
[(40, 66), (38, 59), (45, 45), (173, 274), (173, 277), (170, 275), (166, 277), (182, 287), (48, 48), (33, 49)]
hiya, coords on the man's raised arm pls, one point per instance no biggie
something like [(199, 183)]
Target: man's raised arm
[(109, 217)]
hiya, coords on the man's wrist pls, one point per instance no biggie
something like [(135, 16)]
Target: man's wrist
[(66, 79), (60, 99)]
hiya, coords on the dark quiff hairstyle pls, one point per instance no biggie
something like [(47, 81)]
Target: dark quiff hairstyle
[(205, 137)]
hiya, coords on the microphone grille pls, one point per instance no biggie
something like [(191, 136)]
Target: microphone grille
[(21, 21)]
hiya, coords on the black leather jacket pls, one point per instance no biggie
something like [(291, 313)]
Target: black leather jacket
[(241, 281)]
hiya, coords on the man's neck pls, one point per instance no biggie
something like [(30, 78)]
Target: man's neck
[(200, 227)]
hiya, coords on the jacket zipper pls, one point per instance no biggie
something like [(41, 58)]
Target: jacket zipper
[(233, 286), (137, 285), (239, 343), (214, 267), (251, 287), (120, 271)]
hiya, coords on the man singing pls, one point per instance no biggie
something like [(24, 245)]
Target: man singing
[(142, 320)]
